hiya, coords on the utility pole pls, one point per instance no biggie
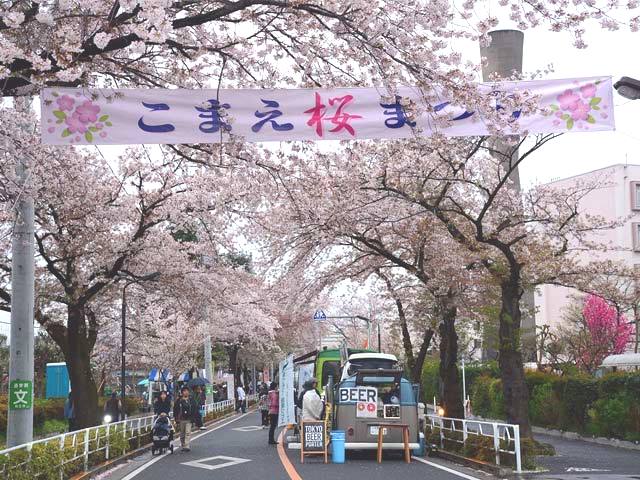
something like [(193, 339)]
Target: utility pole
[(503, 56), (20, 415), (207, 368)]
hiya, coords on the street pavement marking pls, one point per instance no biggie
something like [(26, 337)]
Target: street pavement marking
[(286, 463), (248, 428), (142, 468), (230, 461), (450, 470), (579, 469)]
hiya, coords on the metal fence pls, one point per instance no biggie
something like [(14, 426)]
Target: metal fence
[(503, 434), (77, 451)]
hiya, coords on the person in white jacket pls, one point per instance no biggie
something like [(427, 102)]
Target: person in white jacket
[(312, 404)]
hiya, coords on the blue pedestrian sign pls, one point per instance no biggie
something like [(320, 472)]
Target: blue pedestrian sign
[(319, 316)]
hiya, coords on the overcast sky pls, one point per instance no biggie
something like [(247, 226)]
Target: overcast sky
[(609, 53)]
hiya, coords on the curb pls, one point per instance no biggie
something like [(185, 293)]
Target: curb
[(496, 470), (609, 442), (129, 455)]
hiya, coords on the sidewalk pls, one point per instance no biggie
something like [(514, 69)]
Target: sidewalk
[(588, 460)]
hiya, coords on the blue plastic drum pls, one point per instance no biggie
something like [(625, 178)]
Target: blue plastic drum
[(337, 446)]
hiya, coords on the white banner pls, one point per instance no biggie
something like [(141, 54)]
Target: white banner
[(287, 413), (137, 116)]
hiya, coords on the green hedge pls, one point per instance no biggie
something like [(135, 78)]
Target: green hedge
[(607, 406)]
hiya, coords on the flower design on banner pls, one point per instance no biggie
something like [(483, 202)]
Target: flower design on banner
[(578, 106), (76, 116)]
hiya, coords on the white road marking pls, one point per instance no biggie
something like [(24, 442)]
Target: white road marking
[(446, 469), (579, 469), (248, 428), (142, 468), (229, 462)]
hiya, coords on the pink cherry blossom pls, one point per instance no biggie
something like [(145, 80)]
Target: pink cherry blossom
[(103, 134), (580, 111), (568, 100), (51, 129), (65, 103), (87, 112), (604, 115), (589, 90), (75, 124)]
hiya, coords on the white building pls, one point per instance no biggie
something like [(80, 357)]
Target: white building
[(618, 198)]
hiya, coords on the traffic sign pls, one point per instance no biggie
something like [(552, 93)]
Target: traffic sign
[(20, 394), (319, 316)]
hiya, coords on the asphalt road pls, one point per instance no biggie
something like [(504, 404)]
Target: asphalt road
[(237, 448), (585, 460)]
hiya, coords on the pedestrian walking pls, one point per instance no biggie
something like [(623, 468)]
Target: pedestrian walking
[(162, 406), (196, 396), (184, 413), (69, 413), (273, 399), (263, 406), (242, 397), (113, 408), (312, 404)]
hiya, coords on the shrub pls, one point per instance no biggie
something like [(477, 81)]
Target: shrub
[(497, 410), (429, 380), (480, 396), (579, 393), (479, 447), (453, 441), (544, 406)]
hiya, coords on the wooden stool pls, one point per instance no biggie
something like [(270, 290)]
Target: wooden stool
[(405, 439)]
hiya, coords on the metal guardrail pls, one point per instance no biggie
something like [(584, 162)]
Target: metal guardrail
[(496, 430), (78, 450)]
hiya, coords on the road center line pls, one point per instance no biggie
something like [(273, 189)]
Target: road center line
[(142, 468), (450, 470), (284, 459)]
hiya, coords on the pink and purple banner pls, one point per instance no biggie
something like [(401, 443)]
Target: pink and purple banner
[(158, 116)]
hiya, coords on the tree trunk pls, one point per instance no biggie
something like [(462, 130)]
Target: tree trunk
[(233, 363), (77, 353), (450, 391), (416, 372), (514, 387)]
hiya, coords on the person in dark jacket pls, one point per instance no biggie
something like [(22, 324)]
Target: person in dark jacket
[(185, 410), (113, 408), (69, 414), (162, 405)]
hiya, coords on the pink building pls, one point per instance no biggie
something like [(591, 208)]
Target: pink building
[(618, 198)]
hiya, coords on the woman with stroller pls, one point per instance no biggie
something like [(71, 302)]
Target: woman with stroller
[(162, 406)]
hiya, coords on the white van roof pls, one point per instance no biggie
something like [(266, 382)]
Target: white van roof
[(372, 355), (622, 360)]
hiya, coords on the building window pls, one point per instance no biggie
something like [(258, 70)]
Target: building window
[(635, 195), (636, 236)]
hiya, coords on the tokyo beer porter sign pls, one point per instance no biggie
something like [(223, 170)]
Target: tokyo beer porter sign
[(163, 116)]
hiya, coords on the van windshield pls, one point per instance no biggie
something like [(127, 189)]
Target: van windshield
[(370, 364)]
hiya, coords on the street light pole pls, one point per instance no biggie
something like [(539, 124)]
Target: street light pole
[(123, 345), (464, 391)]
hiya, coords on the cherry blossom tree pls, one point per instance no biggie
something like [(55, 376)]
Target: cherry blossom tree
[(605, 332)]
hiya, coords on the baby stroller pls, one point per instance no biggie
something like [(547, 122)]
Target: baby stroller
[(162, 435)]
